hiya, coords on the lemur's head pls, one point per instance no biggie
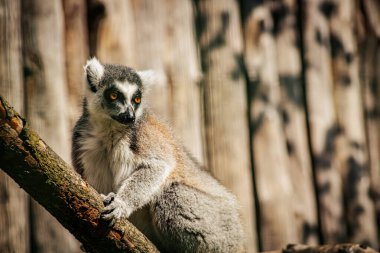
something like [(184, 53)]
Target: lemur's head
[(115, 91)]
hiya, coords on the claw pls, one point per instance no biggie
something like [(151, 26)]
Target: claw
[(114, 209)]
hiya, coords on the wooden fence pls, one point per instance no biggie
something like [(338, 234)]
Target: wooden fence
[(279, 99)]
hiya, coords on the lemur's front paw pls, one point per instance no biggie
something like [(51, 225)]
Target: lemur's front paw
[(107, 199), (114, 208)]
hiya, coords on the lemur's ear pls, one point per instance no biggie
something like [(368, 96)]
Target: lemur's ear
[(94, 71), (151, 78)]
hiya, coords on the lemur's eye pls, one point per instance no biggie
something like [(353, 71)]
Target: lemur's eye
[(113, 95), (137, 100)]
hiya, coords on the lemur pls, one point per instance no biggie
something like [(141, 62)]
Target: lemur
[(143, 172)]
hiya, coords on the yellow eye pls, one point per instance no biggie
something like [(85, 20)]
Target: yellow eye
[(137, 100), (113, 96)]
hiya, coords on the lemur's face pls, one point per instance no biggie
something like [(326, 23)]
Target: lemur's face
[(121, 100), (114, 92)]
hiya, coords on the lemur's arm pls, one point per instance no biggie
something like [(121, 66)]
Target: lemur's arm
[(137, 190)]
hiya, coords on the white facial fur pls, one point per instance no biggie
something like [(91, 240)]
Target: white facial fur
[(128, 91)]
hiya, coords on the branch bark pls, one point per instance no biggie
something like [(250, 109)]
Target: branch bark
[(48, 179)]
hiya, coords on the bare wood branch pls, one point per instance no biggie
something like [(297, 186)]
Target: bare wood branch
[(48, 179)]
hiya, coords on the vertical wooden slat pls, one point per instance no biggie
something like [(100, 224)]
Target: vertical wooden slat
[(371, 83), (14, 227), (150, 48), (360, 213), (226, 125), (369, 56), (11, 54), (111, 29), (76, 53), (324, 129), (274, 187), (372, 15), (375, 172), (286, 33), (45, 92), (166, 44), (183, 75)]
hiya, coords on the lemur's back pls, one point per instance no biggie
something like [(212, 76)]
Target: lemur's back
[(145, 174)]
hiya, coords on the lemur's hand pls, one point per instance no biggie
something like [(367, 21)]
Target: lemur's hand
[(114, 208)]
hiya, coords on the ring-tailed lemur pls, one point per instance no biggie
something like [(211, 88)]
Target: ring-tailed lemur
[(125, 153)]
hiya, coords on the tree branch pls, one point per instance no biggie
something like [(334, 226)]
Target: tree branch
[(26, 158)]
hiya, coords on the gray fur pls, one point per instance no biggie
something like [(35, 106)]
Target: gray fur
[(146, 176)]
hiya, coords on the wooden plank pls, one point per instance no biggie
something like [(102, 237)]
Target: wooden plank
[(292, 106), (369, 62), (183, 73), (150, 49), (271, 163), (76, 53), (324, 129), (371, 8), (166, 44), (45, 92), (14, 222), (348, 102), (111, 31), (226, 125)]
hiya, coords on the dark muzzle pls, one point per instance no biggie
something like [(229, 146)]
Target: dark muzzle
[(126, 117)]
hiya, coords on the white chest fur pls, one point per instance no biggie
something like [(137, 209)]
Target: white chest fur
[(107, 159)]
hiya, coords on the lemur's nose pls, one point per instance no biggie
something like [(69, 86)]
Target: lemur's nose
[(130, 113), (126, 117)]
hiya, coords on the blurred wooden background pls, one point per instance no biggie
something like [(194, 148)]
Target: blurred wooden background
[(279, 99)]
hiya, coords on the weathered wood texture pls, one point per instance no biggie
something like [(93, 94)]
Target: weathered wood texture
[(360, 215), (328, 249), (274, 187), (76, 54), (46, 100), (167, 45), (292, 107), (183, 71), (150, 51), (367, 12), (226, 125), (299, 105), (56, 186), (11, 53), (14, 223), (111, 31), (324, 129)]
